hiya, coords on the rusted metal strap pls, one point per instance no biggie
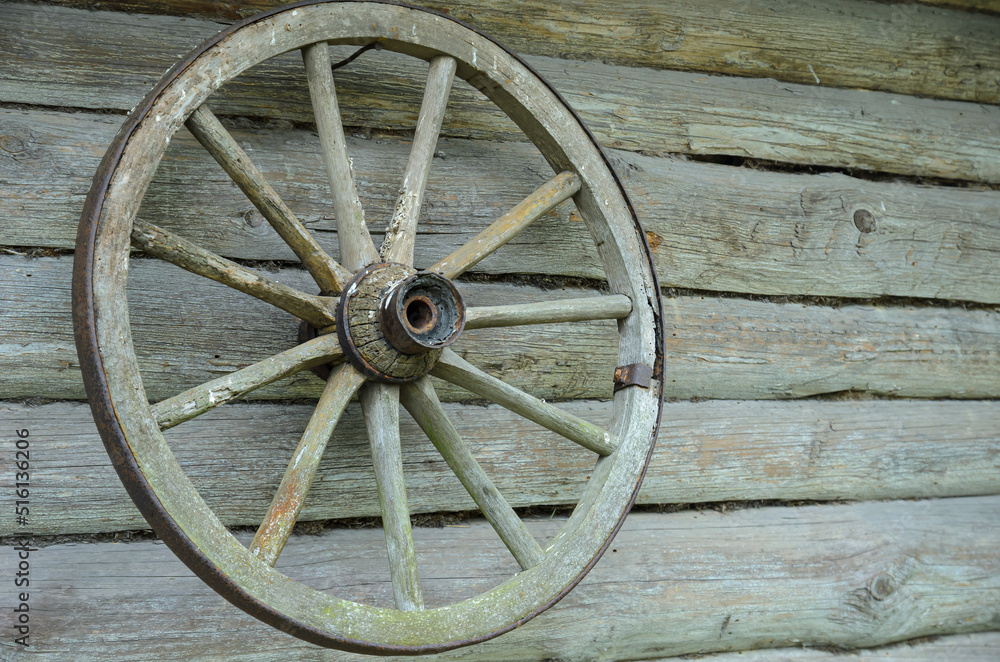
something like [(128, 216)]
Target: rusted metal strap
[(633, 374)]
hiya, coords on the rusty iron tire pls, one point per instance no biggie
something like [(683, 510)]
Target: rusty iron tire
[(130, 432)]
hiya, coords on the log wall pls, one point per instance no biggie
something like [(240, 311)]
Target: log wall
[(820, 188)]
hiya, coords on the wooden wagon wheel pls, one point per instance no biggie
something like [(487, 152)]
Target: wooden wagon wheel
[(382, 323)]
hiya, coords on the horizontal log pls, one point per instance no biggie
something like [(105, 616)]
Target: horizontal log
[(109, 60), (896, 47), (742, 230), (691, 582), (193, 330), (712, 451), (956, 648)]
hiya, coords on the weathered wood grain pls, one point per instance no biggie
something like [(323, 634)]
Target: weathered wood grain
[(852, 239), (208, 130), (612, 306), (421, 401), (977, 647), (277, 524), (710, 226), (356, 249), (452, 368), (184, 406), (380, 404), (187, 255), (896, 47), (194, 330), (707, 452), (402, 231), (544, 199), (110, 60), (857, 575)]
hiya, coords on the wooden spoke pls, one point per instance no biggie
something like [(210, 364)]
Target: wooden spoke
[(453, 368), (356, 248), (328, 274), (273, 532), (615, 306), (508, 226), (380, 403), (422, 402), (156, 241), (199, 399), (400, 237)]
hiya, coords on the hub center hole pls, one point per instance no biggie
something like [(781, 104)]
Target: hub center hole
[(421, 314)]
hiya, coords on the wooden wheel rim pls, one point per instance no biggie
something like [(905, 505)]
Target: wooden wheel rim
[(135, 443)]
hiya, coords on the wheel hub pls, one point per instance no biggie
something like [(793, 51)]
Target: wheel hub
[(393, 322)]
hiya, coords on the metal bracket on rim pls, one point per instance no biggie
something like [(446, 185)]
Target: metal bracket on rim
[(633, 374)]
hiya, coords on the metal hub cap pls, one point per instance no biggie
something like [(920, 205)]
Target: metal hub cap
[(393, 322)]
